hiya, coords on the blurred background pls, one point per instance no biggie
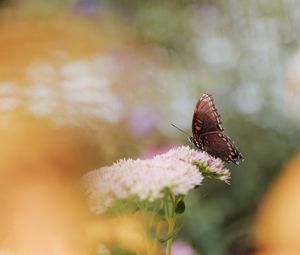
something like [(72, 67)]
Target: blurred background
[(84, 83)]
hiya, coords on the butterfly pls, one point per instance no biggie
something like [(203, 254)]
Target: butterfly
[(208, 134)]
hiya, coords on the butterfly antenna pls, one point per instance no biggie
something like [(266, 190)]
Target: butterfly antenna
[(181, 130)]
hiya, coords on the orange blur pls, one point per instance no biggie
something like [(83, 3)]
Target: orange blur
[(278, 226), (43, 209)]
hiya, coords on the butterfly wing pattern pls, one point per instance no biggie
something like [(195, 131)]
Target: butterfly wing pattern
[(208, 134)]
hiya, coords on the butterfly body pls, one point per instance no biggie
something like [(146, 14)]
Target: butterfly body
[(208, 134)]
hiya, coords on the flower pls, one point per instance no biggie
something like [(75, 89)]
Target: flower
[(142, 119), (147, 180), (182, 248), (209, 166)]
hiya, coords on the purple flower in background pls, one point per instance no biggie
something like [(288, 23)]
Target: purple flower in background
[(182, 248), (88, 7), (142, 119), (151, 151)]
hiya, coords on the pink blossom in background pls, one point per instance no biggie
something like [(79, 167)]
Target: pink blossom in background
[(7, 253), (150, 152), (142, 119), (182, 248)]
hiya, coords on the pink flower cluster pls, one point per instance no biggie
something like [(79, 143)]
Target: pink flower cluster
[(182, 248), (147, 179)]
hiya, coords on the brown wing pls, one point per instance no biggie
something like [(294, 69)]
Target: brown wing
[(206, 117), (219, 145)]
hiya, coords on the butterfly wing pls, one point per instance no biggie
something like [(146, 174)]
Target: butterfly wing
[(206, 117), (219, 145), (208, 133)]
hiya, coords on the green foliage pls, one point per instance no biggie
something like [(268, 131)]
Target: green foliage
[(180, 207), (118, 251)]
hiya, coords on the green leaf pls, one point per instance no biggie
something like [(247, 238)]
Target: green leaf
[(161, 212), (180, 207)]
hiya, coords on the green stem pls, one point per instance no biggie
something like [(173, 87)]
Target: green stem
[(171, 223), (170, 240)]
